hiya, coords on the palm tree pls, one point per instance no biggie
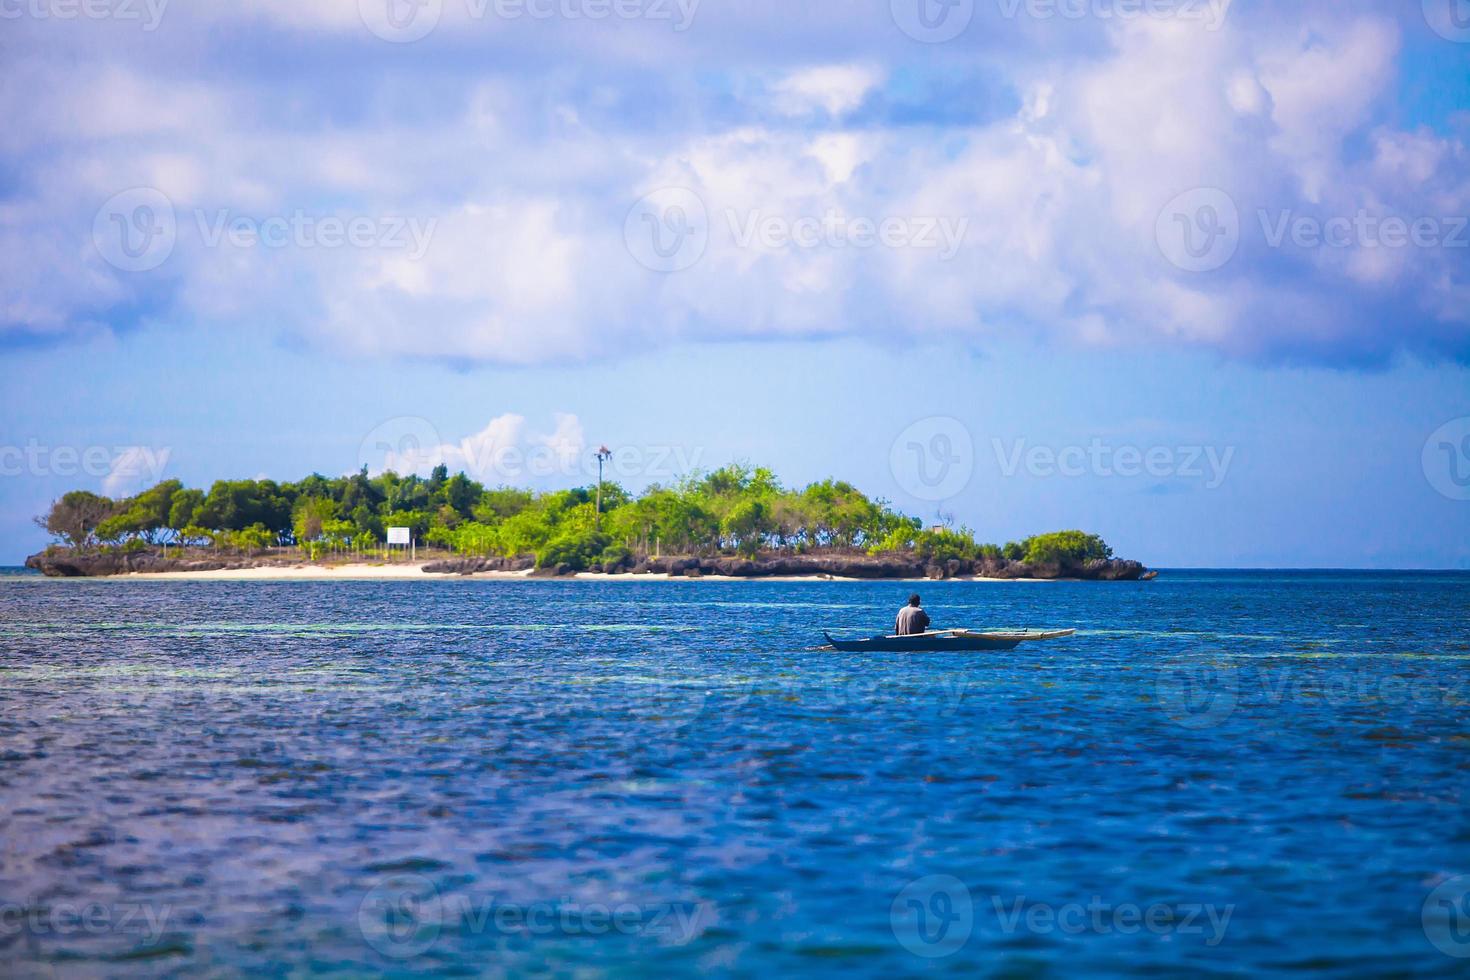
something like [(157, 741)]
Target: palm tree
[(603, 453)]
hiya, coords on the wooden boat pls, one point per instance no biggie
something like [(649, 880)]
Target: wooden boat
[(939, 641)]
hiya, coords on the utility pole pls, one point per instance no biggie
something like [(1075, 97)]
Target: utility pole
[(603, 453)]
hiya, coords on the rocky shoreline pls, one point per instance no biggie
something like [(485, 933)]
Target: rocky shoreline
[(801, 566), (59, 563)]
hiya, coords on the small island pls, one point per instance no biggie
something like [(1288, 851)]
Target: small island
[(736, 522)]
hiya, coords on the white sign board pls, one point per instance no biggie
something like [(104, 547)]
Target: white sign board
[(400, 535)]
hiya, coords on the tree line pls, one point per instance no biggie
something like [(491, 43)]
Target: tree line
[(737, 510)]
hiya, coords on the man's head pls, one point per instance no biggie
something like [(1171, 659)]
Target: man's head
[(914, 599)]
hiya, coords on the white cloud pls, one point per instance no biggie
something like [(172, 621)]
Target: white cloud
[(505, 451), (1322, 88), (834, 89), (527, 178), (135, 468)]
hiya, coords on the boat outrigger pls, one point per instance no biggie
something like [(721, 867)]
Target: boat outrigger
[(939, 641)]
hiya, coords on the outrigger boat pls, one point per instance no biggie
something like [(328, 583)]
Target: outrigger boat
[(939, 641)]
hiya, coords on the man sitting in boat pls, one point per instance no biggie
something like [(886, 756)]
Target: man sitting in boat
[(912, 619)]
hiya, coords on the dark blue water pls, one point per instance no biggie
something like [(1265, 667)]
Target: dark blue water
[(1222, 773)]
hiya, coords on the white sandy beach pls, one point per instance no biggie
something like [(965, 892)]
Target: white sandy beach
[(414, 571)]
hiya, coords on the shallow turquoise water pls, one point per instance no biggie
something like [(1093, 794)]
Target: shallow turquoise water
[(1223, 773)]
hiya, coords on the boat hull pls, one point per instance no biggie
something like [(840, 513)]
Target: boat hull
[(965, 641)]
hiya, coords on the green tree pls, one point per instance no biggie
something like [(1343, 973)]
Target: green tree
[(502, 502), (183, 508), (747, 523), (462, 493), (310, 515), (75, 518), (1065, 548), (736, 509), (576, 550), (151, 510)]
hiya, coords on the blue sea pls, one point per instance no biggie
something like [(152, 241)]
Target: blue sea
[(1221, 774)]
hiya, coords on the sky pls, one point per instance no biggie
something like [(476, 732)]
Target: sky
[(1191, 274)]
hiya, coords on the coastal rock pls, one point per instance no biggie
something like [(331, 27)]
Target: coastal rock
[(876, 569), (61, 563), (738, 568), (470, 566), (990, 567), (1114, 570), (67, 564)]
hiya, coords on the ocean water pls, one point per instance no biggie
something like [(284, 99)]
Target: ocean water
[(1222, 774)]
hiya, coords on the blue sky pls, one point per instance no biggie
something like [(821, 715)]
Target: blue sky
[(1197, 279)]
